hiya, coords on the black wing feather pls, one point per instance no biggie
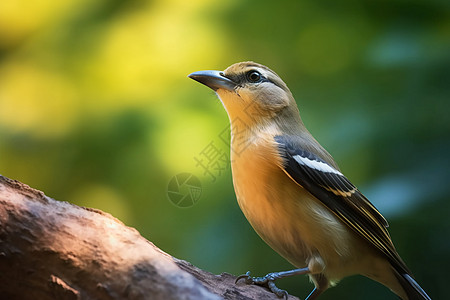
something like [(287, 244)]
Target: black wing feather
[(335, 191)]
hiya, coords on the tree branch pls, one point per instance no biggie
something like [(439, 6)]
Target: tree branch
[(56, 250)]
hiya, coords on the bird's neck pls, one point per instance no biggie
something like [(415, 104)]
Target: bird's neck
[(247, 123)]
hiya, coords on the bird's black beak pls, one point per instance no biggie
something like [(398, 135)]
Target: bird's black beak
[(213, 79)]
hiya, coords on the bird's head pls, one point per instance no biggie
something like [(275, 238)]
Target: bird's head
[(251, 92)]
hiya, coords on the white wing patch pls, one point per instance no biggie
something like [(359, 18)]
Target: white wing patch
[(317, 165)]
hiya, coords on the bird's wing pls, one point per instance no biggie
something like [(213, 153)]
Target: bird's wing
[(338, 194)]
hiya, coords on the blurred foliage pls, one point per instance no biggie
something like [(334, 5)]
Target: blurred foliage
[(96, 109)]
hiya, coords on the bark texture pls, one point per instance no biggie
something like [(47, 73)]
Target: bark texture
[(56, 250)]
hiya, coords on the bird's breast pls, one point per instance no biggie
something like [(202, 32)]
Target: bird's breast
[(286, 216)]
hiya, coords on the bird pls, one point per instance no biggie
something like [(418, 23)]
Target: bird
[(293, 193)]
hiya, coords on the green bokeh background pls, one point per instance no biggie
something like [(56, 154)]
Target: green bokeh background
[(96, 109)]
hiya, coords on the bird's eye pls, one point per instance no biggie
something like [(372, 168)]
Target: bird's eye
[(254, 76)]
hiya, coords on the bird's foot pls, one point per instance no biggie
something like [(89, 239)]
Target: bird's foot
[(267, 281)]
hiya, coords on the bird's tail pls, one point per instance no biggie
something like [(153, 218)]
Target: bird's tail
[(411, 287)]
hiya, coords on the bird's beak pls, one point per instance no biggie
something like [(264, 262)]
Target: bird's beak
[(213, 79)]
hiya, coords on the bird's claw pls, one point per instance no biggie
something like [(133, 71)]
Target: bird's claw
[(267, 281), (247, 278)]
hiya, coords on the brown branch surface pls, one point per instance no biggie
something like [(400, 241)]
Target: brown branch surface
[(56, 250)]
